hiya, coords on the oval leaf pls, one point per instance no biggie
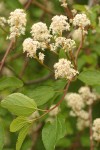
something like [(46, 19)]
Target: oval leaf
[(22, 134), (90, 77), (58, 131), (18, 123), (7, 82), (19, 104), (42, 94)]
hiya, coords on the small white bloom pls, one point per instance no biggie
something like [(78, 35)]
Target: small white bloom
[(82, 124), (96, 129), (59, 24), (41, 57), (66, 44), (54, 112), (17, 22), (64, 4), (75, 102), (88, 96), (40, 32), (64, 69), (30, 47), (3, 21), (81, 20)]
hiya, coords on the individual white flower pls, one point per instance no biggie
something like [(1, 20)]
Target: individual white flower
[(59, 24), (66, 44), (96, 130), (54, 112), (40, 32), (81, 20), (75, 102), (41, 57), (82, 124), (88, 96), (17, 22), (3, 21), (30, 47), (64, 69), (64, 4)]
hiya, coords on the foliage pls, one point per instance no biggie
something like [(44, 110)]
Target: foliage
[(32, 102)]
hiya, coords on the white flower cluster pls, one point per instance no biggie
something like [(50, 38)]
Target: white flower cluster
[(81, 20), (40, 32), (40, 37), (17, 22), (3, 21), (66, 44), (64, 69), (64, 4), (78, 102), (96, 130), (30, 47), (88, 96), (53, 113), (59, 24)]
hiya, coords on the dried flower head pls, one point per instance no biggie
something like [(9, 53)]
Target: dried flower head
[(17, 22)]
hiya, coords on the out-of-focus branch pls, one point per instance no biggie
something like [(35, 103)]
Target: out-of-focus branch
[(42, 7), (39, 80), (6, 54)]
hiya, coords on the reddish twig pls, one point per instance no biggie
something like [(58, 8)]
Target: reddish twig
[(6, 54), (26, 6)]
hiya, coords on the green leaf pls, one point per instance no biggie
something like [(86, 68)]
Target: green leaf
[(22, 135), (19, 104), (7, 82), (1, 136), (42, 94), (18, 123), (90, 77), (52, 133)]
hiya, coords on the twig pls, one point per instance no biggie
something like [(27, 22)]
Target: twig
[(24, 66), (79, 48), (91, 132), (6, 54), (43, 7), (39, 80), (26, 6)]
